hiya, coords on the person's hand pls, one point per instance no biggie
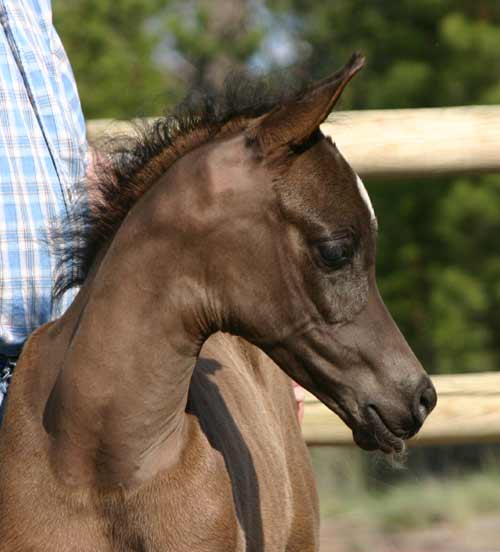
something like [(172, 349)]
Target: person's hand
[(299, 397)]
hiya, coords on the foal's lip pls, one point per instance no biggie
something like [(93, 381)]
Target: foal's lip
[(385, 438), (372, 435)]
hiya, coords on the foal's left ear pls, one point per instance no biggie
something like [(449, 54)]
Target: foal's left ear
[(294, 122)]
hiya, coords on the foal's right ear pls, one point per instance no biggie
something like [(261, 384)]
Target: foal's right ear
[(292, 123)]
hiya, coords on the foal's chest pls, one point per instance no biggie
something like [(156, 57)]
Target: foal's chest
[(245, 482)]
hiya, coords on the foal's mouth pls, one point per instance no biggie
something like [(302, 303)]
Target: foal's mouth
[(376, 434)]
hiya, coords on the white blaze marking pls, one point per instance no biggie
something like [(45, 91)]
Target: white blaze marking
[(365, 196)]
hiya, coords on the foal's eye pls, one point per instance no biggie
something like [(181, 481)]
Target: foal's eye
[(335, 255)]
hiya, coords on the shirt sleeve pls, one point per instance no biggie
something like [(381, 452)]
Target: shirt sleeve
[(43, 153)]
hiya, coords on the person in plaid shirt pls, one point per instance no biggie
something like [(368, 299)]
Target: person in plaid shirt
[(43, 163), (43, 152)]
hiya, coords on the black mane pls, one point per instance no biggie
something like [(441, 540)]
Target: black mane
[(131, 165)]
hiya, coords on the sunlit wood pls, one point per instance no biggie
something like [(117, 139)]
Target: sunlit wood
[(401, 143), (408, 143), (468, 411)]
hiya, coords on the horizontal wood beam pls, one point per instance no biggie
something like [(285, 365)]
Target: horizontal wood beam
[(413, 143), (468, 411), (400, 143), (99, 130)]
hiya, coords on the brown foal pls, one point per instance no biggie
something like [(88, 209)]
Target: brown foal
[(133, 423)]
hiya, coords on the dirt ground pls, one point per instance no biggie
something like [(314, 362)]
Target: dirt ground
[(478, 535)]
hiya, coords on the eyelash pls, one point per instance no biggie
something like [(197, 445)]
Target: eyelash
[(334, 255)]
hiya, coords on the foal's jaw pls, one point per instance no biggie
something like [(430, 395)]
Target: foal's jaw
[(378, 389), (304, 289), (326, 325)]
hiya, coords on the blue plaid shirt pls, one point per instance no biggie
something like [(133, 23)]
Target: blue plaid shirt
[(42, 161)]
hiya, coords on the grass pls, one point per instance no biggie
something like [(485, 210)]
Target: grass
[(415, 502)]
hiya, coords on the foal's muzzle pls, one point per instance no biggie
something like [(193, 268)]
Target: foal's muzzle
[(385, 429)]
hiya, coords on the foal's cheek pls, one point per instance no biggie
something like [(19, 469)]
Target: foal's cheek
[(342, 296)]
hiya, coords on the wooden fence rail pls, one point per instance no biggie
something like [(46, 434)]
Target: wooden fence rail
[(402, 143), (468, 411)]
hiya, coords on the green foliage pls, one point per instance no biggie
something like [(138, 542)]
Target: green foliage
[(111, 45), (203, 38), (465, 292), (138, 57)]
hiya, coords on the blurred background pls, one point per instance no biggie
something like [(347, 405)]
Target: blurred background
[(439, 254)]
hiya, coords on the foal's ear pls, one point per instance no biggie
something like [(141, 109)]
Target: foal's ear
[(294, 122)]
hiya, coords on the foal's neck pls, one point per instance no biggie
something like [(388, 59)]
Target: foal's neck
[(118, 408)]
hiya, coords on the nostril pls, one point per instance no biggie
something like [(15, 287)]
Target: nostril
[(429, 398), (427, 402)]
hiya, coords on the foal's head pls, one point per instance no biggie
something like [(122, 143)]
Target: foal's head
[(271, 235), (289, 255)]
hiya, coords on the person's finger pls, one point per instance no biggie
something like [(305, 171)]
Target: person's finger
[(300, 398)]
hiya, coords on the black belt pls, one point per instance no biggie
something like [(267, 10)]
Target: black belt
[(7, 359)]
